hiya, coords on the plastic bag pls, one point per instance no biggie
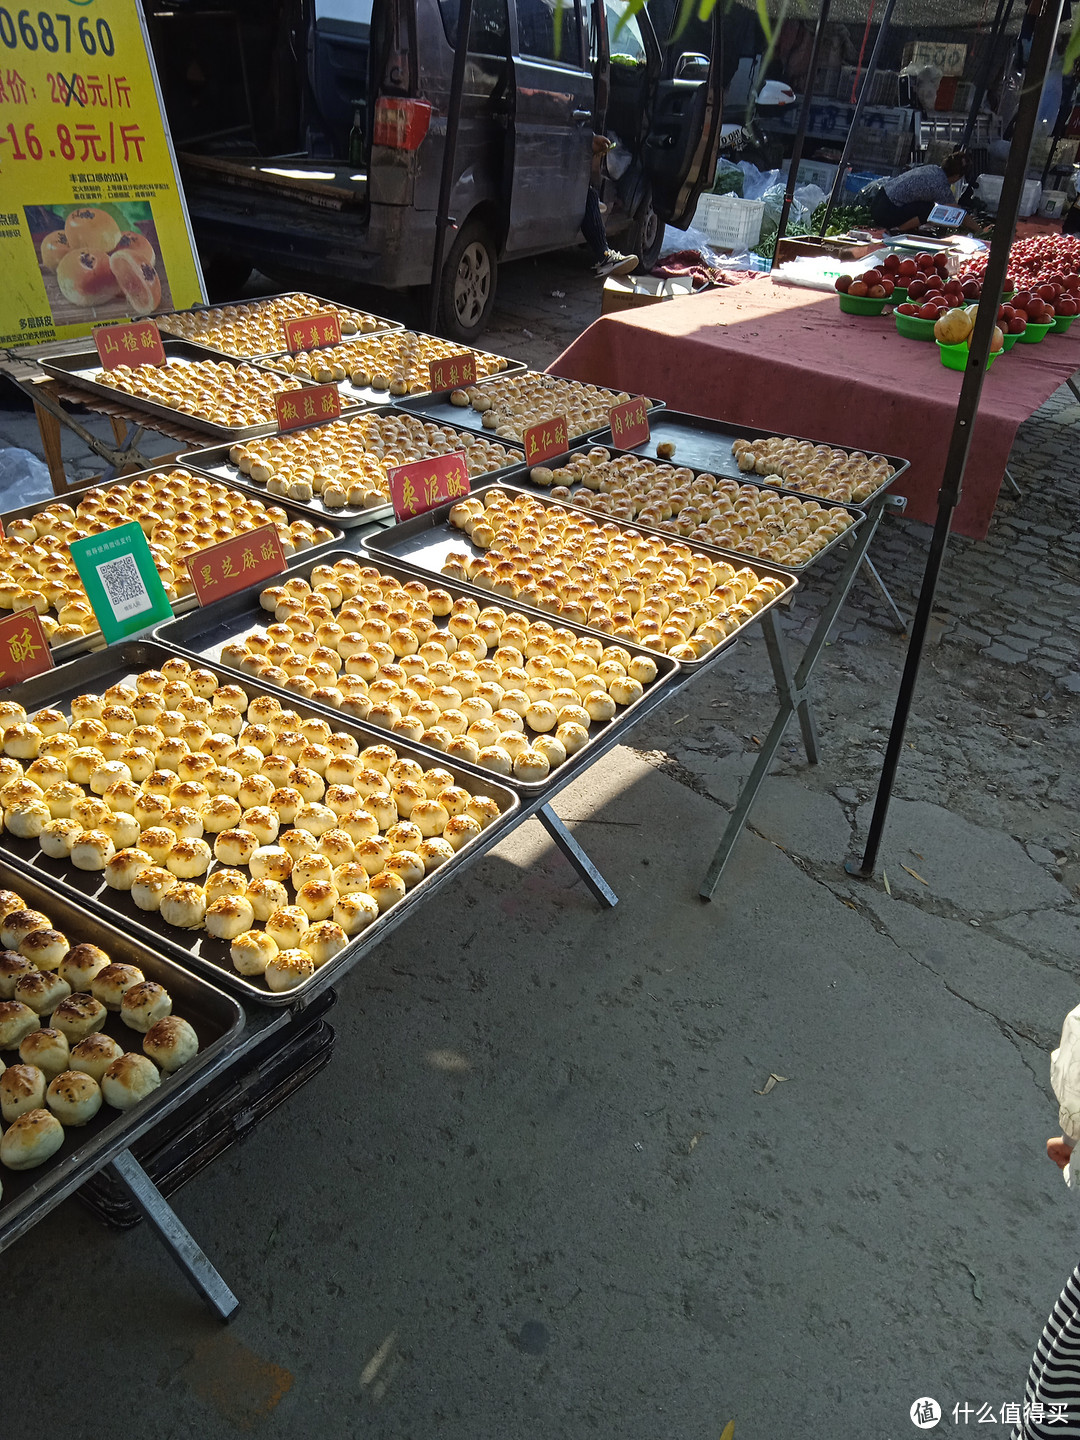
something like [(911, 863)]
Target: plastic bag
[(755, 181), (23, 478), (729, 178), (618, 158)]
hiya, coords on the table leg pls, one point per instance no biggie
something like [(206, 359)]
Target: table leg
[(883, 590), (1011, 483), (1072, 386), (49, 430), (596, 883), (177, 1238), (792, 691)]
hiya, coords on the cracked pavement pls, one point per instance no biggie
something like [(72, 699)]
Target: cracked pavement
[(539, 1189)]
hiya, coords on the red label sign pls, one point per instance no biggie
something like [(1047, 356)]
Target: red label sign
[(423, 484), (236, 563), (452, 371), (305, 407), (629, 424), (313, 332), (550, 437), (24, 650), (136, 343)]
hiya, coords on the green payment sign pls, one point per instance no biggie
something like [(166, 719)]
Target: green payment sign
[(121, 580)]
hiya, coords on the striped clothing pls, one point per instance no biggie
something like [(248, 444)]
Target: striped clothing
[(1053, 1384)]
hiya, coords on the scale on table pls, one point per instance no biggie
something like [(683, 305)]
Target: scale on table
[(947, 217)]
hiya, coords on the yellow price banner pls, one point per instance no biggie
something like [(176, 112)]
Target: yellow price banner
[(93, 223)]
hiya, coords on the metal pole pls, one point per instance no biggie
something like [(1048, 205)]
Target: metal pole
[(449, 163), (1046, 28), (871, 71), (804, 121), (997, 30)]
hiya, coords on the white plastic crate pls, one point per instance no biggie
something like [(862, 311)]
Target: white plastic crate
[(730, 222), (989, 192)]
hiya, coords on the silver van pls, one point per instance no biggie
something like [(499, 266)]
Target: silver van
[(312, 134)]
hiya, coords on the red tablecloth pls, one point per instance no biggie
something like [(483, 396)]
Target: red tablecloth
[(788, 360)]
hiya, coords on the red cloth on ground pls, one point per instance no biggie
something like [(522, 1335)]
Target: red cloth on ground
[(692, 263), (788, 360)]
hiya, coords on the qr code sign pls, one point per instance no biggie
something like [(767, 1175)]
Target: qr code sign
[(124, 587)]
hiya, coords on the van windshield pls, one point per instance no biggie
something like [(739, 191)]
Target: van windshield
[(627, 40)]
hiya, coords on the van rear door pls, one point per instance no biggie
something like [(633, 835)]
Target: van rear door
[(550, 136), (684, 132)]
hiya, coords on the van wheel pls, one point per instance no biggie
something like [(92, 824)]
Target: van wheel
[(467, 292), (645, 237)]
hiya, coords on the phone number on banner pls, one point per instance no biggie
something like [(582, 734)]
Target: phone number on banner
[(56, 33)]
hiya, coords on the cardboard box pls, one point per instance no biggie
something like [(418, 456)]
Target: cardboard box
[(629, 292)]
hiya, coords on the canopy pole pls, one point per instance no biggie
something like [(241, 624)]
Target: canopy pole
[(804, 123), (1046, 28), (860, 104), (449, 162), (997, 30)]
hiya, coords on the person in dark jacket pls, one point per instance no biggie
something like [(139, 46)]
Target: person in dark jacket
[(904, 202)]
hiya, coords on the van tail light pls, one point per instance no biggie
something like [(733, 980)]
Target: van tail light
[(401, 124)]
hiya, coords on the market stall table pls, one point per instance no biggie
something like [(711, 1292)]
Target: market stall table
[(787, 360)]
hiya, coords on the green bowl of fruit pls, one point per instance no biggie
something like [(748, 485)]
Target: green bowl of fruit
[(1061, 324), (1008, 341), (862, 305), (955, 357), (1034, 333), (865, 294), (913, 327)]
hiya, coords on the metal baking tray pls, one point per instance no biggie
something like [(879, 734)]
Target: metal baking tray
[(217, 1018), (80, 366), (195, 948), (365, 395), (204, 637), (438, 407), (215, 461), (95, 640), (381, 323), (744, 556), (704, 444), (426, 541)]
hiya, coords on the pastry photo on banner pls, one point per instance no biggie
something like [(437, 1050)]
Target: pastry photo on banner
[(98, 262)]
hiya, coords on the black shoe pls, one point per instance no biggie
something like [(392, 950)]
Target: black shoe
[(615, 263)]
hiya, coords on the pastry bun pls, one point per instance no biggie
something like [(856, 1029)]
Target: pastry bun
[(12, 967), (288, 969), (128, 1080), (41, 990), (95, 1054), (74, 1097), (34, 1138), (171, 1042), (109, 985), (144, 1004), (16, 1022), (22, 1088), (78, 1016), (47, 1049)]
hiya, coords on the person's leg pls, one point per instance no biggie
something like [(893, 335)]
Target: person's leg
[(592, 227), (1052, 1396)]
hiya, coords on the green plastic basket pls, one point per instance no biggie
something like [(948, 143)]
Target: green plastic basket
[(912, 328), (899, 295), (1062, 322), (1034, 333), (955, 357), (861, 305), (1009, 341)]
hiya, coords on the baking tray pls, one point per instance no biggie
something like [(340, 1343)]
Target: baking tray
[(195, 948), (236, 617), (426, 541), (214, 460), (218, 1020), (382, 323), (438, 407), (745, 556), (362, 396), (95, 640), (704, 444), (79, 367)]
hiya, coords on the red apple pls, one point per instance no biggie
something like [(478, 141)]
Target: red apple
[(858, 288), (906, 309), (891, 263), (888, 286), (935, 282), (971, 289), (928, 312), (916, 289), (843, 283), (908, 268), (1067, 307), (1017, 326), (871, 277)]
